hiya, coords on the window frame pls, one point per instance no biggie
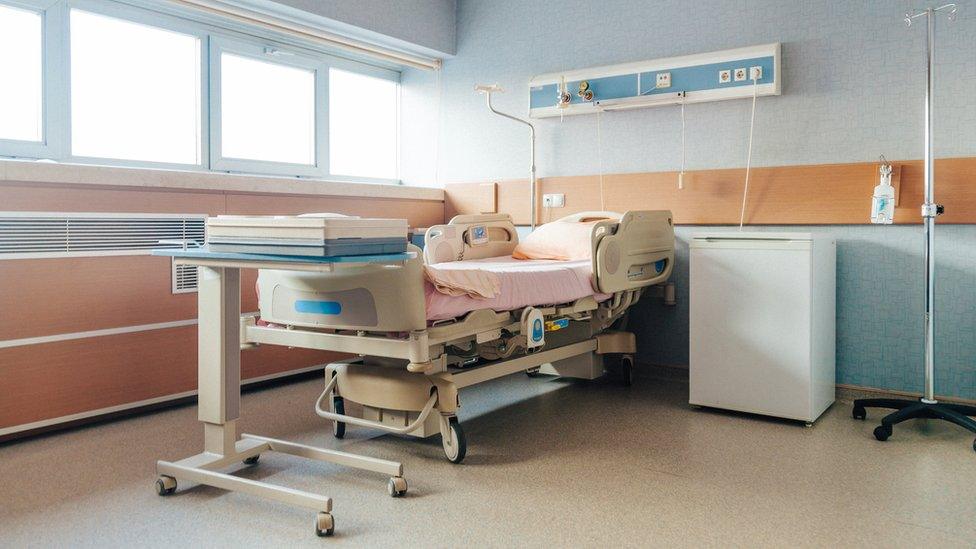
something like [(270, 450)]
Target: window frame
[(291, 58), (136, 16), (214, 37), (51, 143)]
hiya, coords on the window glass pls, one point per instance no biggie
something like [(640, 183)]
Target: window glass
[(362, 125), (135, 91), (21, 96), (267, 111)]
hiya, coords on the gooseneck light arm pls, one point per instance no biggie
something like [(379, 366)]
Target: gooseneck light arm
[(488, 90)]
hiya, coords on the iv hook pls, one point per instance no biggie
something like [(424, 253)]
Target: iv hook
[(914, 14)]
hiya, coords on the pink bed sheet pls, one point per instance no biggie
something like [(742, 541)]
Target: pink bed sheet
[(526, 282)]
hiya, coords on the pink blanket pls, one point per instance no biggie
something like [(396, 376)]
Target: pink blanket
[(522, 283)]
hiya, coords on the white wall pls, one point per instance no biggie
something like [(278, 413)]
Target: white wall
[(429, 24), (853, 86)]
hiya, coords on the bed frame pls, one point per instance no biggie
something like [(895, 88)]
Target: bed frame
[(408, 370)]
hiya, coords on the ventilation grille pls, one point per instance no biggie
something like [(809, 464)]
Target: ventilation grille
[(39, 234), (184, 278)]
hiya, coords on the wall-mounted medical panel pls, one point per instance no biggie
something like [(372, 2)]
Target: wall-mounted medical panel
[(715, 76)]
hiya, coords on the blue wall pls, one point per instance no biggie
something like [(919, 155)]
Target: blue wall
[(853, 84)]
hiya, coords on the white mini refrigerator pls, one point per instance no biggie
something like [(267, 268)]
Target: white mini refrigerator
[(762, 321)]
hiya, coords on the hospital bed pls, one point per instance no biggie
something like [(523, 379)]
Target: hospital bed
[(418, 347)]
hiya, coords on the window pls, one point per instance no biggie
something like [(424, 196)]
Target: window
[(362, 125), (135, 91), (267, 111), (21, 67), (137, 83)]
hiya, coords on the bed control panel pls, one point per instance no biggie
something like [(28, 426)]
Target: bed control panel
[(647, 270), (533, 328), (478, 235)]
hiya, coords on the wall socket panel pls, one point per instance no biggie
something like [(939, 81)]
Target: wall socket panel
[(755, 73), (663, 80), (553, 200)]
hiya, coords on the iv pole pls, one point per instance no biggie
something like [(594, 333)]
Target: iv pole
[(927, 406), (488, 90)]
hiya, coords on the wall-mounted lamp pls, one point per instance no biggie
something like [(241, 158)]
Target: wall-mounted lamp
[(655, 100)]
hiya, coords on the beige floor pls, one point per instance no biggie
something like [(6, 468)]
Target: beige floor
[(550, 463)]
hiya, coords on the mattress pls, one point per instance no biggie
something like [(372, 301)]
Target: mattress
[(522, 283)]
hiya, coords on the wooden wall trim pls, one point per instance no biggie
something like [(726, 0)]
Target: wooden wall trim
[(824, 194), (43, 381), (62, 378), (155, 179)]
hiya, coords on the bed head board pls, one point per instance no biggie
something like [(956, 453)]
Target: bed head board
[(470, 237), (636, 251)]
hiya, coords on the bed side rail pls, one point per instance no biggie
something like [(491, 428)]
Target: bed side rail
[(635, 252), (462, 239)]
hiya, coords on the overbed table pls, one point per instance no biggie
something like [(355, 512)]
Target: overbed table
[(219, 386)]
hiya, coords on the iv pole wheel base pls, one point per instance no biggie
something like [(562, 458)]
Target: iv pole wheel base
[(324, 525), (397, 487), (859, 412), (165, 485), (882, 432)]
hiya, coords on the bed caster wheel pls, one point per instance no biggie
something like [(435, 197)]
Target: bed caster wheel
[(397, 487), (627, 370), (338, 407), (324, 525), (453, 440), (882, 432), (252, 460), (165, 485), (859, 412)]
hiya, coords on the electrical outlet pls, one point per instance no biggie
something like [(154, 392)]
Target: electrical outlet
[(663, 80), (755, 73), (553, 200), (740, 74), (724, 77)]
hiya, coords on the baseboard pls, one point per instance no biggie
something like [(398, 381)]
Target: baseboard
[(851, 392), (845, 392)]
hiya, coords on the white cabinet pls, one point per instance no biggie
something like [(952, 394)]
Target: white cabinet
[(762, 320)]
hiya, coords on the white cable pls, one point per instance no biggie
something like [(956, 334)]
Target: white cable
[(599, 155), (681, 174), (752, 126)]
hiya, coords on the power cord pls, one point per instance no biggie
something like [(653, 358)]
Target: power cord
[(752, 126)]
